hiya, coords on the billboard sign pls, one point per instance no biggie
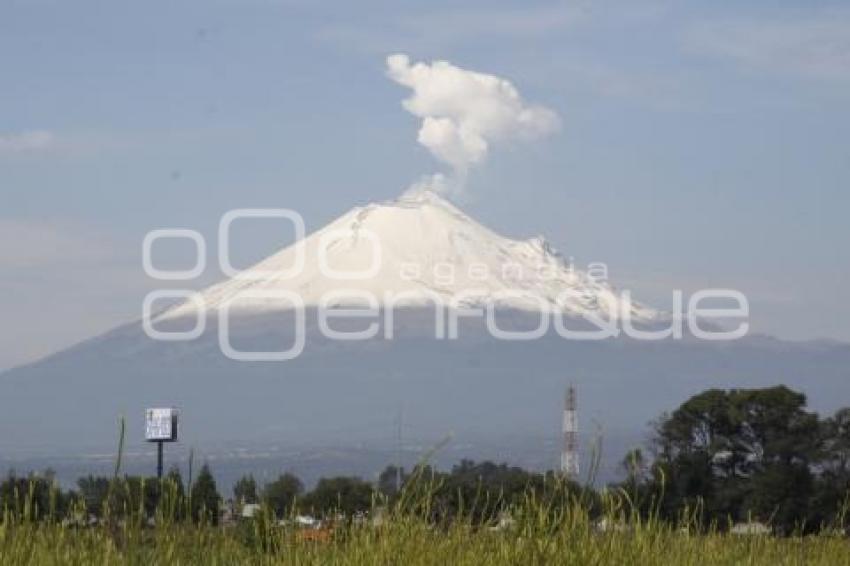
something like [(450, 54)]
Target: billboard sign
[(161, 424)]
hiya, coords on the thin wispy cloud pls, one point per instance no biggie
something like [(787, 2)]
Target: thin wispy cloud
[(816, 47), (28, 141), (449, 26), (432, 29), (586, 75), (67, 143), (26, 243)]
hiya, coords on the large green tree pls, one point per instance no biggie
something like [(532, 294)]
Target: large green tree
[(346, 495), (205, 497), (36, 495), (245, 490), (735, 454), (281, 494)]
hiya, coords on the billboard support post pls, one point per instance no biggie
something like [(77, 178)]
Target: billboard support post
[(159, 444)]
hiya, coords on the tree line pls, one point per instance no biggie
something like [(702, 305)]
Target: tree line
[(722, 457)]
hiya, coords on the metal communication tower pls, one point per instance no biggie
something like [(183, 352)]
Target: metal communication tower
[(569, 455)]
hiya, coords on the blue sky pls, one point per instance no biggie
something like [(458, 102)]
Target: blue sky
[(702, 144)]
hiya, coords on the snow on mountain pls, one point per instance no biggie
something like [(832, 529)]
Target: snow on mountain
[(410, 252)]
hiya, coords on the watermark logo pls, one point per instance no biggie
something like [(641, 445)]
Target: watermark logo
[(552, 293)]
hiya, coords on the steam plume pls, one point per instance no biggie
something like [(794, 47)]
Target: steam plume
[(465, 112)]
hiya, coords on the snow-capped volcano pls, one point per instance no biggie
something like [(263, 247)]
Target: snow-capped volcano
[(416, 250)]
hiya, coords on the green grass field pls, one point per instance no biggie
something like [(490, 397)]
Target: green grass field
[(537, 533), (408, 543)]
